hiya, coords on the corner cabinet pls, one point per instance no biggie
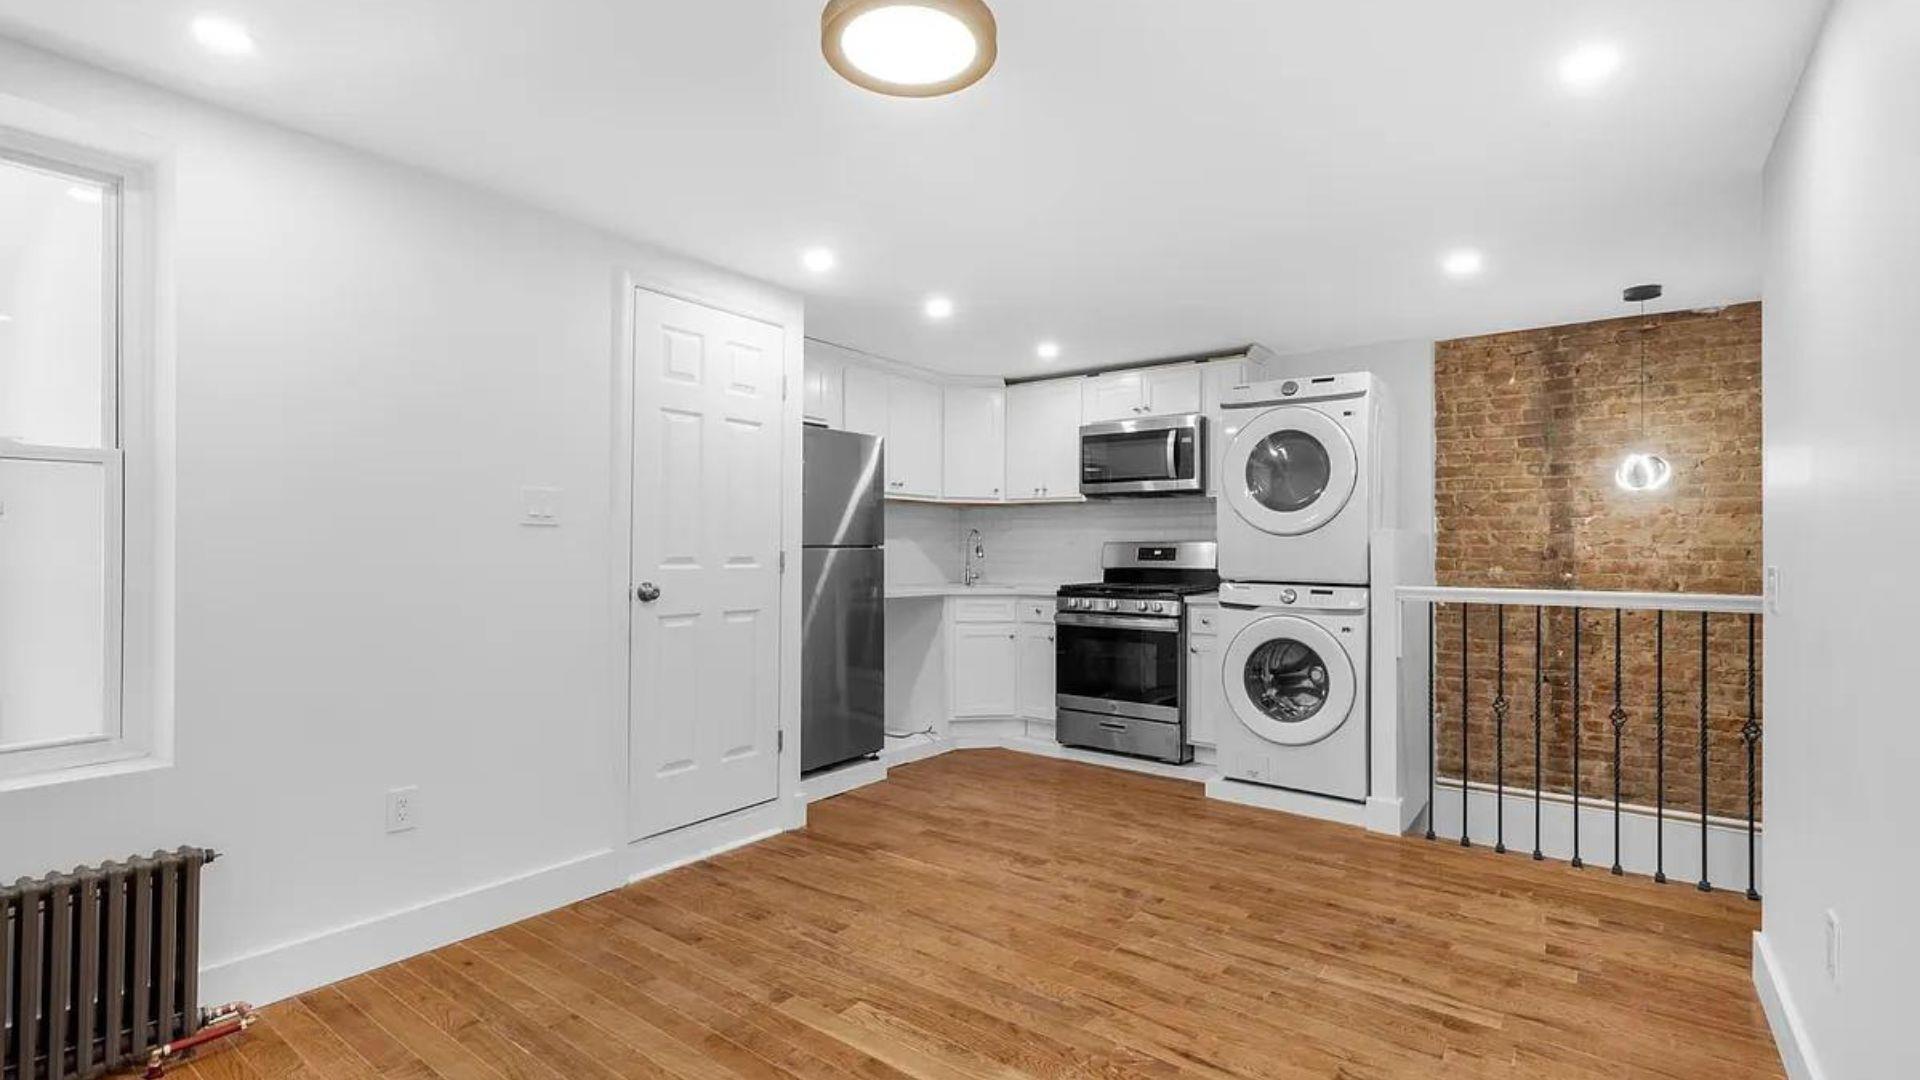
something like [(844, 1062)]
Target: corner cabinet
[(1128, 395), (909, 414), (975, 444), (1002, 658), (1043, 440)]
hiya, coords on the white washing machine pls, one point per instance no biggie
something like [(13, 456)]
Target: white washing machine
[(1306, 478), (1295, 669)]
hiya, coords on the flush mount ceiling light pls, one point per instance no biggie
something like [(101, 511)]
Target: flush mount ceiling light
[(1048, 350), (1589, 66), (819, 260), (1463, 263), (909, 48), (221, 35), (939, 307)]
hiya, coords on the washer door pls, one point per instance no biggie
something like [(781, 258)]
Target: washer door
[(1288, 680), (1290, 470)]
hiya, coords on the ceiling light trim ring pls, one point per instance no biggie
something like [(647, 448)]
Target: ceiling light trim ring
[(972, 14)]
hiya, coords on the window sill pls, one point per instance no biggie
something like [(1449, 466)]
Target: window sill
[(79, 773)]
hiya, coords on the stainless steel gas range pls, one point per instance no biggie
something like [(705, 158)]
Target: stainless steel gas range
[(1120, 649)]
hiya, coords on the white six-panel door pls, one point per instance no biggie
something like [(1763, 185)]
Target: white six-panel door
[(704, 658)]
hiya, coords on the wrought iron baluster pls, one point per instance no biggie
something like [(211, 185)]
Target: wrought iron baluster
[(1660, 746), (1750, 734), (1433, 675), (1576, 739), (1539, 622), (1619, 718), (1465, 739), (1500, 733), (1704, 885)]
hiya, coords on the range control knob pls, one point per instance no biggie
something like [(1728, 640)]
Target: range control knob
[(1110, 605), (1139, 605)]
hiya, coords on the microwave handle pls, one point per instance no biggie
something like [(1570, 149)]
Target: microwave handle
[(1173, 455)]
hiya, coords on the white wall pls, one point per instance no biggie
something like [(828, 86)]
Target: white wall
[(370, 363), (1842, 509)]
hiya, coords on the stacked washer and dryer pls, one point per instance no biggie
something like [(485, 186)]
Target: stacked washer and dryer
[(1305, 481)]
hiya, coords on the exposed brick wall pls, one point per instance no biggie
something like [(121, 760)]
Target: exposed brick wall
[(1528, 429)]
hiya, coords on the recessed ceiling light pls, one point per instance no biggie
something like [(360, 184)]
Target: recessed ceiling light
[(84, 193), (1048, 350), (819, 259), (909, 48), (221, 35), (939, 307), (5, 318), (1463, 263), (1590, 65)]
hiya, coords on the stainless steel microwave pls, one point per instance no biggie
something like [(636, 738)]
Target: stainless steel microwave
[(1154, 455)]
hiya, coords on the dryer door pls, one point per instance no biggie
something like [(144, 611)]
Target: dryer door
[(1288, 680), (1289, 470)]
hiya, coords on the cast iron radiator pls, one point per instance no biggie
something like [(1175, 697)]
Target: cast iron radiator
[(99, 966)]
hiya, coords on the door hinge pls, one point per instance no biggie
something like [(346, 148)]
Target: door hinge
[(783, 388), (783, 560), (780, 741)]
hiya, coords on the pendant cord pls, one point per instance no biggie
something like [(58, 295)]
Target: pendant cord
[(1643, 371)]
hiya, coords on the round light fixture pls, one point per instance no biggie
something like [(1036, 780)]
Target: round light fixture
[(1048, 350), (1588, 66), (222, 35), (1463, 263), (939, 307), (819, 260), (1643, 472), (909, 48)]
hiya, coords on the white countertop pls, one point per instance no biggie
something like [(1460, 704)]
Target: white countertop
[(933, 589)]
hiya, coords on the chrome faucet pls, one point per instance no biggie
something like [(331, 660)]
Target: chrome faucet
[(976, 559)]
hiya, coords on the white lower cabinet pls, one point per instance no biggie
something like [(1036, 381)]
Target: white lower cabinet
[(985, 668), (1034, 666), (1206, 693)]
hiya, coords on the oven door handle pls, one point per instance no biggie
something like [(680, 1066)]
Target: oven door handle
[(1119, 622)]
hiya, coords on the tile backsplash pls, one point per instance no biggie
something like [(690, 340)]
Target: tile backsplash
[(923, 543), (1059, 543)]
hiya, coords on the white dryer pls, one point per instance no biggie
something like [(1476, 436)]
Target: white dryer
[(1295, 674), (1305, 479)]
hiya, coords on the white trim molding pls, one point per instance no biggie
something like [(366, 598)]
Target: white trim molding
[(1720, 603), (1789, 1031)]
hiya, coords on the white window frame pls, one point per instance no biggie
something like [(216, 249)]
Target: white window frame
[(135, 451)]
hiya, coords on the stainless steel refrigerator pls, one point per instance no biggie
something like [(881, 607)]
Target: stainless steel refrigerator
[(843, 690)]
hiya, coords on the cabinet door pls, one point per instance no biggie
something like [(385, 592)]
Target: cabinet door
[(974, 460), (1114, 396), (864, 404), (1170, 391), (1216, 378), (914, 437), (1206, 696), (1043, 440), (821, 380), (1035, 671), (984, 666)]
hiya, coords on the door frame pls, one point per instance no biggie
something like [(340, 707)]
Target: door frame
[(704, 285)]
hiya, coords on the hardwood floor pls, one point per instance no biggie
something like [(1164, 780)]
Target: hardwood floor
[(987, 914)]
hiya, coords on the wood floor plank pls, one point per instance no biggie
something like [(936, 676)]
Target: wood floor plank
[(995, 916)]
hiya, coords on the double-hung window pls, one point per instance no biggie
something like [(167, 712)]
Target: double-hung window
[(64, 467)]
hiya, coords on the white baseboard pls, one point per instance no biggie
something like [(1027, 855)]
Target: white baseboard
[(1395, 817), (1789, 1033), (294, 967), (1291, 802), (841, 779)]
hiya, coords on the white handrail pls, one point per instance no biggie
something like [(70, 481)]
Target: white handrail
[(1585, 598)]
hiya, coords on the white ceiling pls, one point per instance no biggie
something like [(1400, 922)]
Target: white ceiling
[(1136, 178)]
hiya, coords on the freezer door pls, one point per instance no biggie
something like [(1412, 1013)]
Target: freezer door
[(843, 681), (841, 498)]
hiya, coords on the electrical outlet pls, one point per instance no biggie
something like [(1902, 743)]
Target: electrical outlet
[(1833, 947), (1773, 590), (403, 809)]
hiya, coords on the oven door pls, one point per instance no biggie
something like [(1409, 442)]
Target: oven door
[(1119, 665), (1155, 455)]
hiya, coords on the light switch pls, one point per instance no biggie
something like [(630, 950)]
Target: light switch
[(540, 506)]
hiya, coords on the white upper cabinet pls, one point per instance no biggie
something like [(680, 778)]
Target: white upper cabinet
[(822, 379), (907, 413), (975, 457), (1043, 440), (1170, 391), (1216, 378), (1126, 395)]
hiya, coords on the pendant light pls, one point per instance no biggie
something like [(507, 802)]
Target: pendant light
[(1642, 470), (909, 48)]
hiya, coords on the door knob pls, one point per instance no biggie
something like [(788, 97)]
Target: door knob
[(646, 592)]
